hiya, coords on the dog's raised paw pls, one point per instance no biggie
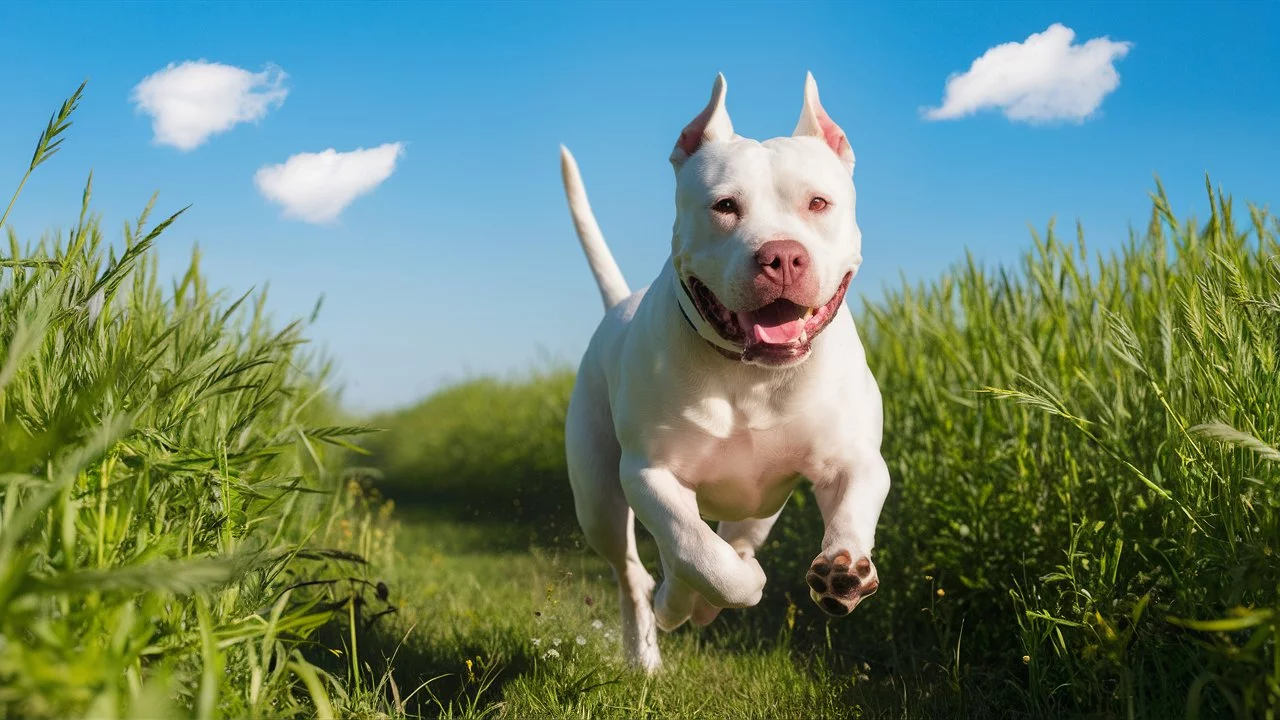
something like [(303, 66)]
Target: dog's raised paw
[(837, 583)]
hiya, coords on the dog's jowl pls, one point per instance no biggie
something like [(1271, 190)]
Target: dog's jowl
[(735, 375)]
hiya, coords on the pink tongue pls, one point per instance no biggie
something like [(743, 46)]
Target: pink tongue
[(786, 333), (773, 324)]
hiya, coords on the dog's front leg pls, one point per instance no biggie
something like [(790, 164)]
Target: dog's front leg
[(850, 494), (694, 558)]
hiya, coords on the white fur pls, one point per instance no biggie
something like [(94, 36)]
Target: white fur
[(664, 428)]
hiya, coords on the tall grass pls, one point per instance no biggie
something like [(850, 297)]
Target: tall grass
[(172, 527), (1085, 513)]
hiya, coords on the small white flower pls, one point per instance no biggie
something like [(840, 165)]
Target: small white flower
[(552, 653), (597, 624), (580, 640), (556, 642), (536, 641)]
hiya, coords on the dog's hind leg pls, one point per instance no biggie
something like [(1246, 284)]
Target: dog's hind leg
[(609, 526)]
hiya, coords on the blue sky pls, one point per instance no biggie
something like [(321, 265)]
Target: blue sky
[(463, 261)]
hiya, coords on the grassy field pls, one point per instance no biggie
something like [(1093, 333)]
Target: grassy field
[(1084, 519)]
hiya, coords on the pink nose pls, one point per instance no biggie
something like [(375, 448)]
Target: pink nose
[(783, 262)]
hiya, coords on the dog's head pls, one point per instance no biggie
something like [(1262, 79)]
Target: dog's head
[(766, 239)]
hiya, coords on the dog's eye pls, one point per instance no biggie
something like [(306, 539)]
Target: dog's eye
[(726, 206), (817, 204)]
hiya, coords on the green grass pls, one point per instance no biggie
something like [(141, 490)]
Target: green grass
[(174, 531), (498, 623), (1084, 518)]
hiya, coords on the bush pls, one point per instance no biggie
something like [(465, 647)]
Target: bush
[(487, 446)]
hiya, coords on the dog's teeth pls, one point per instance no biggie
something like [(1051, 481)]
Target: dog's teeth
[(804, 337), (808, 313)]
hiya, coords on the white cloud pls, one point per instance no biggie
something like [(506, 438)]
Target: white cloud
[(317, 187), (1044, 78), (190, 102)]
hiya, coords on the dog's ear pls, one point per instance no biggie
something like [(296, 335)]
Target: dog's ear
[(815, 122), (710, 125)]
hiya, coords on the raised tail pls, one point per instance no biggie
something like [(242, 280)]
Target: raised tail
[(613, 287)]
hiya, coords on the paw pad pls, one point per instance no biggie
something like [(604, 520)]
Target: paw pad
[(838, 584)]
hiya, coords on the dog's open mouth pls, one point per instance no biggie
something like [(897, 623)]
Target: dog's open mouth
[(775, 334)]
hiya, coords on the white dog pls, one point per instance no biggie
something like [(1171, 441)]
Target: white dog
[(710, 394)]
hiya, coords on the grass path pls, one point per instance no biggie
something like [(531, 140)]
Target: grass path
[(505, 628)]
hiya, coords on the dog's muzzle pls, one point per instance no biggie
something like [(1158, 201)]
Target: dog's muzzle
[(779, 333)]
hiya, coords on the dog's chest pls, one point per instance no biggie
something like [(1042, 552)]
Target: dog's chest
[(742, 456)]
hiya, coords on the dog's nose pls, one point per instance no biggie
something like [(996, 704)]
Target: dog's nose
[(783, 262)]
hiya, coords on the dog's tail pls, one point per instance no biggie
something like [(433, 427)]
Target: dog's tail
[(613, 287)]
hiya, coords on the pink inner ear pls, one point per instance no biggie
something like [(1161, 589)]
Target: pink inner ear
[(831, 132), (691, 137)]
